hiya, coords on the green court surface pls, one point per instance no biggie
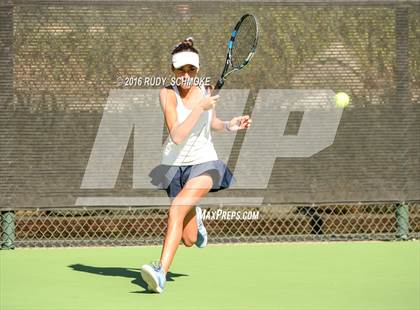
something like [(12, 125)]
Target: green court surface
[(349, 275)]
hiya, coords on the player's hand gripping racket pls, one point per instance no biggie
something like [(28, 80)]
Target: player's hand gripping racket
[(241, 48)]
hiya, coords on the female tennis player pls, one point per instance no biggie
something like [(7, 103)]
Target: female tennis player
[(190, 167)]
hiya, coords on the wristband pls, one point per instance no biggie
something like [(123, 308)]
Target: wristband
[(227, 125)]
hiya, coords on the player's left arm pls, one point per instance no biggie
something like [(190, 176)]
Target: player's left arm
[(216, 123), (236, 123)]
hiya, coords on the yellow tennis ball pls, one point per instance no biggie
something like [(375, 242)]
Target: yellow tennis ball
[(342, 100)]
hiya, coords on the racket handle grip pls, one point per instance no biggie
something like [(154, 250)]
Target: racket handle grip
[(218, 86)]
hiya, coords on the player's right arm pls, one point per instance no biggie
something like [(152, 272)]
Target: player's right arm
[(180, 131)]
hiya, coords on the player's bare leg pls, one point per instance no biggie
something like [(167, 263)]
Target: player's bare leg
[(189, 232), (183, 203)]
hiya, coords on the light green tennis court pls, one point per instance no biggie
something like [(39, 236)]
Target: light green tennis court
[(357, 275)]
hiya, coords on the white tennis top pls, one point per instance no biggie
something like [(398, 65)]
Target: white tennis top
[(198, 147)]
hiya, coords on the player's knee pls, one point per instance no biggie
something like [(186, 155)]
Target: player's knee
[(188, 239), (187, 242)]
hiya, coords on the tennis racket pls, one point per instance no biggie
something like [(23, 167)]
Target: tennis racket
[(242, 46)]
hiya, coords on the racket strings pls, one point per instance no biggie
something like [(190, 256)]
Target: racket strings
[(244, 42)]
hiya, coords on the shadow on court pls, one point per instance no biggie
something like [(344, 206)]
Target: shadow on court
[(133, 273)]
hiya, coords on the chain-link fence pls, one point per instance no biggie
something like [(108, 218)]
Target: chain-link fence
[(268, 223), (61, 60)]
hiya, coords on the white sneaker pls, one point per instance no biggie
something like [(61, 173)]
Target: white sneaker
[(202, 232), (154, 276)]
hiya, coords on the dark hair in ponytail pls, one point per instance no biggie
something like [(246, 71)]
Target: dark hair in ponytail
[(186, 45)]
